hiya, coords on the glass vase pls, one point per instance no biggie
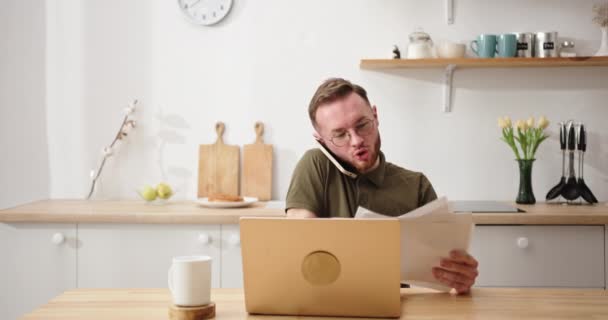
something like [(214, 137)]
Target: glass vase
[(603, 50), (525, 194)]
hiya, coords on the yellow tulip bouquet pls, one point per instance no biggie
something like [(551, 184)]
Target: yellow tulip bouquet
[(525, 135)]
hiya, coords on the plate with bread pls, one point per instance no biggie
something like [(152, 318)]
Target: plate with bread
[(226, 201)]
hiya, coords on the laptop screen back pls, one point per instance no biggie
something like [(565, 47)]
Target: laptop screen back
[(322, 267)]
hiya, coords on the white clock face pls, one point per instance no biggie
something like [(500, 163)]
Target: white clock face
[(205, 12)]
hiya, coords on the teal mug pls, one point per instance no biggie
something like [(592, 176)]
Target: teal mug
[(484, 46), (506, 45)]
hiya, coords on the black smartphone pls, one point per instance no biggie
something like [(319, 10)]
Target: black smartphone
[(336, 163)]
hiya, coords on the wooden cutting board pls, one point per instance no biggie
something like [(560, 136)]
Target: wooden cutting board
[(257, 167), (218, 166)]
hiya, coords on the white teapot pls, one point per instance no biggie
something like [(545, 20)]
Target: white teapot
[(421, 46)]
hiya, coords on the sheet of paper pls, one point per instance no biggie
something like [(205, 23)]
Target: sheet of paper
[(428, 234)]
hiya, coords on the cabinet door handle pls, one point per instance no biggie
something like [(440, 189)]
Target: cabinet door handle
[(58, 238), (234, 240), (204, 239), (523, 242)]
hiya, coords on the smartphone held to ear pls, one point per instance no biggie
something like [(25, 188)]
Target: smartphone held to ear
[(333, 160)]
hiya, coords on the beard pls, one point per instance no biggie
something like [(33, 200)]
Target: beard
[(374, 152)]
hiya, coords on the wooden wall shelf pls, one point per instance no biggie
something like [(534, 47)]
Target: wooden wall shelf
[(452, 64), (483, 63)]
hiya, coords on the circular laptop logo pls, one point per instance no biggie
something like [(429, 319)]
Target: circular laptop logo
[(320, 268)]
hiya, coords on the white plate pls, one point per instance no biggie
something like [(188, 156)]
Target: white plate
[(226, 204)]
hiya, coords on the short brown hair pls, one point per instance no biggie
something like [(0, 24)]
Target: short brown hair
[(331, 90)]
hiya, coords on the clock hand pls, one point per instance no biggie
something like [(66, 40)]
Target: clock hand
[(189, 5)]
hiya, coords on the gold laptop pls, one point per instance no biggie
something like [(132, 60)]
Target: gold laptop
[(321, 267)]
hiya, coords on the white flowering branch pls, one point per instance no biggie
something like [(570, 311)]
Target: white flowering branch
[(601, 14), (127, 123)]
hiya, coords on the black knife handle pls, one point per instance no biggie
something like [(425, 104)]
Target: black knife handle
[(582, 138), (562, 135), (571, 138)]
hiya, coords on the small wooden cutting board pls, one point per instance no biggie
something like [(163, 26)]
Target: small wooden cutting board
[(257, 167), (218, 166)]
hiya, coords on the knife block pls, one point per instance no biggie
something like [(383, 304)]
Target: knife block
[(192, 313)]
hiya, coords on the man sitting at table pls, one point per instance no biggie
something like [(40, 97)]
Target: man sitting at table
[(346, 124)]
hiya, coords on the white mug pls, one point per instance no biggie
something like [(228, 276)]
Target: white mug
[(190, 280), (451, 50)]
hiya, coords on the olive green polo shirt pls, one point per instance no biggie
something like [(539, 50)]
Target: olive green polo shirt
[(318, 186)]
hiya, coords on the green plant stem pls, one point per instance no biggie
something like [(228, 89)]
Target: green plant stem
[(540, 137), (528, 140), (507, 137), (523, 141)]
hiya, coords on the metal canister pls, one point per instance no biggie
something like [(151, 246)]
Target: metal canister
[(546, 45), (525, 44)]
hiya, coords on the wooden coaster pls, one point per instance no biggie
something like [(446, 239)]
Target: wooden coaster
[(192, 313)]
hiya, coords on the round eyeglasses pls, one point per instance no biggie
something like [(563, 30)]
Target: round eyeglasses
[(342, 138)]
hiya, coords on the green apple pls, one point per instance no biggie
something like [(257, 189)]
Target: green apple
[(148, 193), (164, 191)]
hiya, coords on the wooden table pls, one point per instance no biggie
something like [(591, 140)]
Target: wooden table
[(483, 303)]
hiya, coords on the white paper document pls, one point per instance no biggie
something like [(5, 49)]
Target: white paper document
[(428, 234)]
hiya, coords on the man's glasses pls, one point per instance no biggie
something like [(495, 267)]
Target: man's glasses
[(342, 138)]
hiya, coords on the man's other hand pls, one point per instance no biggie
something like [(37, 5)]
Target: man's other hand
[(459, 271)]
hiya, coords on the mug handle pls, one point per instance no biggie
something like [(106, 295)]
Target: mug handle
[(474, 48), (170, 278)]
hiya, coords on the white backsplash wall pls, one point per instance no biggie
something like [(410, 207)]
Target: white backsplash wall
[(265, 61), (24, 169)]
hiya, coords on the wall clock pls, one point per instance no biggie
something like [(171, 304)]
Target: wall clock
[(205, 12)]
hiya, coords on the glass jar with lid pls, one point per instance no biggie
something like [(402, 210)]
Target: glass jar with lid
[(420, 46)]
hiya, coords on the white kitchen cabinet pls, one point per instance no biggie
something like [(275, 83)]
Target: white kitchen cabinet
[(540, 256), (232, 265), (139, 255), (38, 262)]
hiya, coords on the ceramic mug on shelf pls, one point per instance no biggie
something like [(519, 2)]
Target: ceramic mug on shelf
[(190, 280), (484, 46), (451, 50), (506, 45)]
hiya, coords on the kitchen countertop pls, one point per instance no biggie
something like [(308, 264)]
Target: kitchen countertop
[(132, 211), (416, 303), (551, 214), (189, 212)]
